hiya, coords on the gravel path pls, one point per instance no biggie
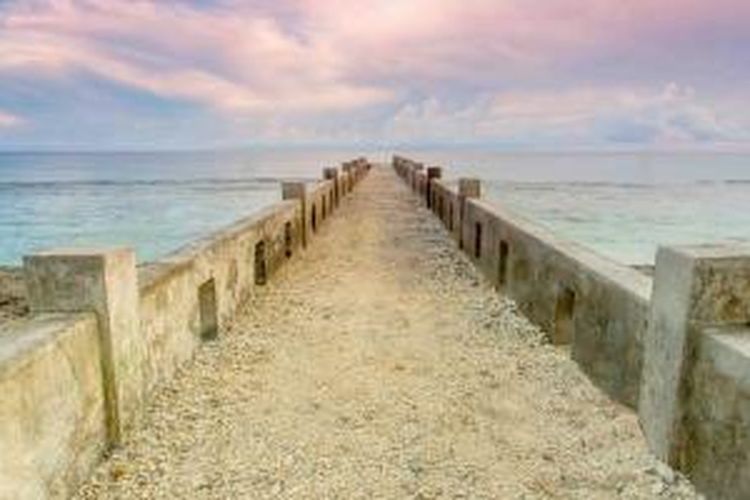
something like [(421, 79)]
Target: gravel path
[(379, 365)]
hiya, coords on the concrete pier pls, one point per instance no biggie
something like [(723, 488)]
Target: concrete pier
[(370, 336), (381, 364)]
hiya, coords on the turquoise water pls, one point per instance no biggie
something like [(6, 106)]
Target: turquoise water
[(623, 205), (154, 202)]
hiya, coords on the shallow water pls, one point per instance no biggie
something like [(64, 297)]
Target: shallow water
[(623, 205), (154, 202)]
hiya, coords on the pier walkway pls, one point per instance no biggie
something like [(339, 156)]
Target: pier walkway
[(378, 364)]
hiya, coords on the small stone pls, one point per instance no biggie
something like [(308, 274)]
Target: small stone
[(658, 489), (117, 472), (664, 472)]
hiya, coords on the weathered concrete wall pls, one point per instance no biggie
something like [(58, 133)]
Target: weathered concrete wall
[(52, 417), (694, 407), (170, 322), (717, 414), (78, 280), (319, 201), (580, 298), (574, 294), (447, 207), (72, 383), (677, 346)]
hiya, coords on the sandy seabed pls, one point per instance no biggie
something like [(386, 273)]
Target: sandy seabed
[(379, 364)]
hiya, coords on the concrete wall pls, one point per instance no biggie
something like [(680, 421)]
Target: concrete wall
[(675, 347), (104, 334), (694, 407), (52, 416), (580, 298), (319, 202), (170, 324), (717, 416), (447, 207)]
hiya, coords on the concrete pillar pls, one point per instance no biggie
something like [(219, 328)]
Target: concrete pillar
[(346, 168), (432, 173), (297, 191), (332, 174), (355, 171), (694, 286), (416, 169), (467, 188), (105, 282)]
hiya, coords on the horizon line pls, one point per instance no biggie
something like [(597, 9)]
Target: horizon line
[(385, 148)]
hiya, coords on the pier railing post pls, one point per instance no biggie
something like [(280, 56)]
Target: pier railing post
[(346, 168), (416, 171), (433, 173), (694, 287), (467, 188), (297, 191), (103, 282), (332, 174)]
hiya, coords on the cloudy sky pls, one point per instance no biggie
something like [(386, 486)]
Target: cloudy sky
[(100, 74)]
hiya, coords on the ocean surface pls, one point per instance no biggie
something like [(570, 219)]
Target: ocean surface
[(622, 204)]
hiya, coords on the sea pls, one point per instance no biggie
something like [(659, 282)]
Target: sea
[(621, 204)]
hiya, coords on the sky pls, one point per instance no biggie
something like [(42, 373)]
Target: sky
[(518, 74)]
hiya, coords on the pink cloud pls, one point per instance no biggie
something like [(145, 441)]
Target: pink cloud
[(289, 58), (669, 115), (322, 54), (217, 57), (479, 39), (9, 120)]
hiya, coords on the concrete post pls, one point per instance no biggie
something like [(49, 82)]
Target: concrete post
[(297, 191), (333, 175), (355, 171), (467, 188), (432, 173), (694, 287), (105, 282), (415, 176), (346, 168)]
